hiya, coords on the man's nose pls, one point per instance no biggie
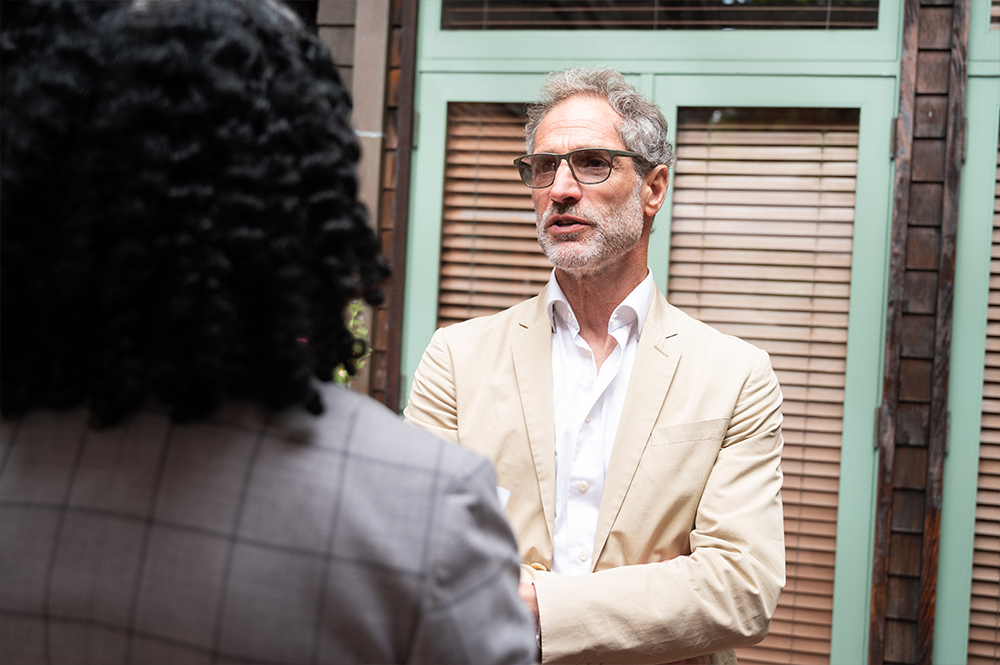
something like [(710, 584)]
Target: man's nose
[(564, 187)]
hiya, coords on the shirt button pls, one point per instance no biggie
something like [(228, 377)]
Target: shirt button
[(589, 354), (589, 417), (583, 555), (582, 486)]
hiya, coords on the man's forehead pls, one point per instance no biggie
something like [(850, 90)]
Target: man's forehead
[(579, 122)]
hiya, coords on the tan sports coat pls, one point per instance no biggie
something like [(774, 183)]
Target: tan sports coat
[(688, 556)]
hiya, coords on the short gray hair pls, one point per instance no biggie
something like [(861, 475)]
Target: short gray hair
[(643, 128)]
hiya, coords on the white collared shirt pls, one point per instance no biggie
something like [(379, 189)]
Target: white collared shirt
[(587, 406)]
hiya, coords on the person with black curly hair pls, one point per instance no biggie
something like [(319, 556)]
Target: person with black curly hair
[(179, 479)]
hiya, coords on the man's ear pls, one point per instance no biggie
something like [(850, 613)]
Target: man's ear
[(654, 190)]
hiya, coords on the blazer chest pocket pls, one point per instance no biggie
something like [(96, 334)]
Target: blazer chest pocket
[(704, 430), (682, 456)]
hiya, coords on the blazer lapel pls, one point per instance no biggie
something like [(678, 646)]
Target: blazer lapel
[(655, 362), (532, 351)]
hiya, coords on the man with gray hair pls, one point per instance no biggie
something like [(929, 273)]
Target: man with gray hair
[(641, 448)]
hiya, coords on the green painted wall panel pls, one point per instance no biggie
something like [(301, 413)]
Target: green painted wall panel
[(968, 343), (984, 43)]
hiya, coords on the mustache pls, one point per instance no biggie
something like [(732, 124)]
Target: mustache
[(565, 209)]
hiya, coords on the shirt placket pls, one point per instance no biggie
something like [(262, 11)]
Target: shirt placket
[(587, 470)]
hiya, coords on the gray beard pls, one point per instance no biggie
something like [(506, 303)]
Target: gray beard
[(613, 233)]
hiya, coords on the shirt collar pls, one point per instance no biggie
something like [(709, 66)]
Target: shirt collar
[(634, 308)]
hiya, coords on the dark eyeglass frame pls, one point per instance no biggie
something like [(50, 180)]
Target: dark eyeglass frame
[(525, 171)]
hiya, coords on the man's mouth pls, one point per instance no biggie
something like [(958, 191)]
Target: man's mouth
[(566, 222)]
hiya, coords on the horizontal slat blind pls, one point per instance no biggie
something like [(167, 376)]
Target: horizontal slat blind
[(658, 15), (490, 258), (761, 238), (984, 618), (995, 15)]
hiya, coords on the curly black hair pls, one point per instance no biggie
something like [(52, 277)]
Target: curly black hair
[(178, 208)]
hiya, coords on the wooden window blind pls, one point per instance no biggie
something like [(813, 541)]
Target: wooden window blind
[(995, 15), (761, 239), (984, 616), (659, 15), (490, 258)]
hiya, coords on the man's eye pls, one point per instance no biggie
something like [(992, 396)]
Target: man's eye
[(591, 160), (544, 166)]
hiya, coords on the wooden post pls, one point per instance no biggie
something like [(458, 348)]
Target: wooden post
[(401, 201), (902, 141), (938, 440), (913, 417)]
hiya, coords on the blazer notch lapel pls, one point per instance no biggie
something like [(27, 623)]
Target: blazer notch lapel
[(532, 354)]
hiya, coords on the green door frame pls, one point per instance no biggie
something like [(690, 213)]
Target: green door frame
[(968, 351), (869, 269), (875, 96)]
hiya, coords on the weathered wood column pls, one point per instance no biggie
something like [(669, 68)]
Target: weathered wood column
[(913, 420), (374, 44), (402, 100)]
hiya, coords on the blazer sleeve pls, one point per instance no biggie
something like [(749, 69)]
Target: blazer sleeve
[(472, 612), (720, 596), (433, 403)]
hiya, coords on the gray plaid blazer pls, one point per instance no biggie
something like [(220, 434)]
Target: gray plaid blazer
[(348, 538)]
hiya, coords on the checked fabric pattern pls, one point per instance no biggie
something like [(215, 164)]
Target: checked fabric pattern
[(345, 538)]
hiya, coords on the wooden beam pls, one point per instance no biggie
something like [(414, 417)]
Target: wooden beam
[(401, 201), (938, 441), (886, 434), (371, 52)]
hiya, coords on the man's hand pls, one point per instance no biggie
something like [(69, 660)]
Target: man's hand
[(527, 593)]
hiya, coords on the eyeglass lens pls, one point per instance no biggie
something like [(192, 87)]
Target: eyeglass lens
[(589, 167)]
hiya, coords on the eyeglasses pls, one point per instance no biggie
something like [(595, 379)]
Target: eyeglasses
[(589, 166)]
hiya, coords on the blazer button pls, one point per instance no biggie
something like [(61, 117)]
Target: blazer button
[(538, 566)]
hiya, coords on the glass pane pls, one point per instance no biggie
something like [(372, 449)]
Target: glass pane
[(490, 258), (761, 241), (659, 14)]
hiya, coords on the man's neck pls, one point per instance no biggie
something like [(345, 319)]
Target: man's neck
[(594, 299)]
